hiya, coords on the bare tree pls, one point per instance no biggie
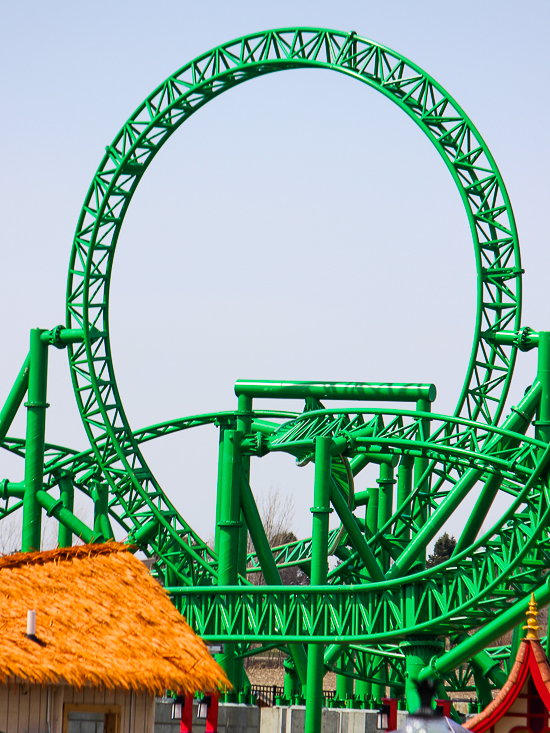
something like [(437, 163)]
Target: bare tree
[(277, 513), (11, 530)]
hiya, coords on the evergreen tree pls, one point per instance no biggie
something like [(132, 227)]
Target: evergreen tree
[(443, 549)]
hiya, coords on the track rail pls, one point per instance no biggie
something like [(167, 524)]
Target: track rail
[(451, 132)]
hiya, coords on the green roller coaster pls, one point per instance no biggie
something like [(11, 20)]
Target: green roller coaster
[(379, 617)]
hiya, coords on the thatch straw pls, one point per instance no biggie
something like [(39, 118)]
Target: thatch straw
[(101, 620)]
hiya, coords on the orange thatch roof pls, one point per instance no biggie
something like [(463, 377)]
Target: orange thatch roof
[(101, 620)]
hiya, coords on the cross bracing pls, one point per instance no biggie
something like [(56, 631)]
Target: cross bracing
[(379, 600)]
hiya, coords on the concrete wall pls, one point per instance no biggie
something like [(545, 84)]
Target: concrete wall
[(233, 718), (292, 720)]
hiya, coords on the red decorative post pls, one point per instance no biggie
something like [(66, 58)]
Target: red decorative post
[(391, 702), (212, 718), (187, 715)]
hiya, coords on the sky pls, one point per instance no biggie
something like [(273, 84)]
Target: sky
[(298, 227)]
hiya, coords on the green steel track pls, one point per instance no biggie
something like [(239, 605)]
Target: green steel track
[(379, 616)]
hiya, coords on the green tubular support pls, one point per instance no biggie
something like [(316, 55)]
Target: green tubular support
[(229, 524), (267, 563), (15, 398), (481, 509), (319, 570), (352, 528), (336, 390), (418, 653), (36, 428), (66, 492), (385, 505), (244, 422), (144, 534), (484, 691), (490, 668), (61, 337), (441, 458), (517, 635), (9, 489), (486, 671), (344, 683), (542, 424), (102, 526), (361, 498), (55, 508), (404, 489), (421, 463), (517, 422), (219, 491), (481, 639)]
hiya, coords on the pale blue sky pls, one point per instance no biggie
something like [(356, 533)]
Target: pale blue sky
[(299, 227)]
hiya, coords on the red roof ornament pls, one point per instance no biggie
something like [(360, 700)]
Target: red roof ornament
[(523, 704)]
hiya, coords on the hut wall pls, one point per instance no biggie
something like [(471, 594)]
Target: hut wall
[(26, 708)]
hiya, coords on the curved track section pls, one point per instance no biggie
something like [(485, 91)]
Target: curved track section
[(451, 132), (477, 584)]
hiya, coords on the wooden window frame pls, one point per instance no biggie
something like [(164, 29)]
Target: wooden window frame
[(84, 707)]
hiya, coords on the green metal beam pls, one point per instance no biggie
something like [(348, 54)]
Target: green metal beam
[(15, 398), (319, 570), (36, 430), (518, 422), (336, 390), (480, 640), (268, 565)]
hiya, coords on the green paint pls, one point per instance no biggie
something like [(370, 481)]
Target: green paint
[(380, 595)]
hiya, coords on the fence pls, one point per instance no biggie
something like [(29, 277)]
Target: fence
[(267, 695)]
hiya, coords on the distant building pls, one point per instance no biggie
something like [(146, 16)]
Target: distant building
[(523, 704), (107, 640)]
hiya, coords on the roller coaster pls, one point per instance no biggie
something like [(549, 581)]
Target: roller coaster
[(378, 616)]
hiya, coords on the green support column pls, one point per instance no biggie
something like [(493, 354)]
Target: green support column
[(542, 424), (55, 508), (229, 524), (219, 490), (385, 504), (363, 689), (404, 488), (15, 398), (292, 686), (418, 653), (415, 551), (244, 422), (385, 508), (421, 463), (297, 665), (102, 526), (66, 491), (319, 571), (344, 684), (372, 509), (36, 428)]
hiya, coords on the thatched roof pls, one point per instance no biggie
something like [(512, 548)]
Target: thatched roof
[(101, 620)]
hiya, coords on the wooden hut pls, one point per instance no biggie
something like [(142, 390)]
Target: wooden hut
[(107, 640), (523, 704)]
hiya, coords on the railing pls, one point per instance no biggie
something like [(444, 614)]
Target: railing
[(267, 695)]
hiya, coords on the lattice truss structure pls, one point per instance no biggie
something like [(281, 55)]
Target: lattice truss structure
[(380, 616)]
